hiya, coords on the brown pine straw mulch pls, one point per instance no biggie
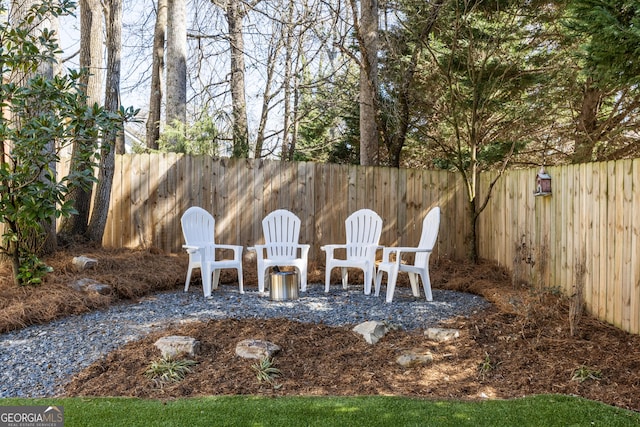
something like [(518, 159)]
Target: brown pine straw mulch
[(521, 346)]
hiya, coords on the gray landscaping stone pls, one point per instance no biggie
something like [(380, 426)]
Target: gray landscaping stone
[(442, 334), (90, 285), (412, 359), (82, 262), (256, 349), (372, 330), (177, 345)]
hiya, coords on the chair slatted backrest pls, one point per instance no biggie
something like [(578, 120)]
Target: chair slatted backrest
[(198, 226), (430, 227), (363, 228), (281, 230)]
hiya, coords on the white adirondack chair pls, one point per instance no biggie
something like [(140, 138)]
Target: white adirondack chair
[(281, 229), (363, 228), (198, 229), (420, 266)]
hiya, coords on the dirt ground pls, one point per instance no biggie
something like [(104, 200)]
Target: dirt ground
[(521, 346)]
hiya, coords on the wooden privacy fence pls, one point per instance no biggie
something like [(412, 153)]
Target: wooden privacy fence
[(584, 238), (151, 191)]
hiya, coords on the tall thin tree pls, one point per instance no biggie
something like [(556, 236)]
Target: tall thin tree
[(91, 61), (367, 33), (155, 97), (102, 197), (235, 15), (176, 107)]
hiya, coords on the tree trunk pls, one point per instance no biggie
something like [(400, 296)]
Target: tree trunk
[(112, 103), (287, 150), (155, 98), (473, 235), (267, 95), (396, 137), (176, 109), (587, 125), (91, 59), (238, 96), (368, 37)]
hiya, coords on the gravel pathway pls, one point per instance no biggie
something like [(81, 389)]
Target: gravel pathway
[(36, 361)]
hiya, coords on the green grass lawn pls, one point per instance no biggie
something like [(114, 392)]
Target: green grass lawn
[(545, 410)]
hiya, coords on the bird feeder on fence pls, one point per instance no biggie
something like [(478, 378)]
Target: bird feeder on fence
[(543, 183)]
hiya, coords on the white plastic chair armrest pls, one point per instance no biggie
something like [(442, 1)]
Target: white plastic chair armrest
[(387, 251), (330, 248), (304, 250), (237, 250), (192, 249), (260, 250)]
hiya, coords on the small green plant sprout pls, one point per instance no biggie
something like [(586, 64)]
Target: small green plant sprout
[(167, 370), (267, 372), (487, 365), (584, 373)]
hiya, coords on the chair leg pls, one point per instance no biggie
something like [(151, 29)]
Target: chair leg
[(367, 281), (378, 282), (392, 278), (188, 281), (240, 284), (303, 280), (413, 278), (426, 284), (327, 279), (216, 278), (345, 277), (206, 279), (373, 278), (262, 272)]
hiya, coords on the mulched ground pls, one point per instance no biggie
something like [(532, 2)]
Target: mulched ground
[(521, 346)]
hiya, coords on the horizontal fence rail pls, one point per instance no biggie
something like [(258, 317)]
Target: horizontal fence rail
[(583, 239)]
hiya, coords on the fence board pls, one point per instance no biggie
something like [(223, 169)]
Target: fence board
[(484, 244), (618, 244), (588, 214), (561, 239), (112, 231), (410, 228), (320, 209), (306, 174), (634, 282), (257, 206), (182, 197), (344, 196), (503, 250), (394, 202), (243, 200), (611, 247), (386, 195), (578, 194), (138, 198), (603, 241), (145, 194), (402, 206), (528, 186), (593, 266), (626, 270), (224, 217)]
